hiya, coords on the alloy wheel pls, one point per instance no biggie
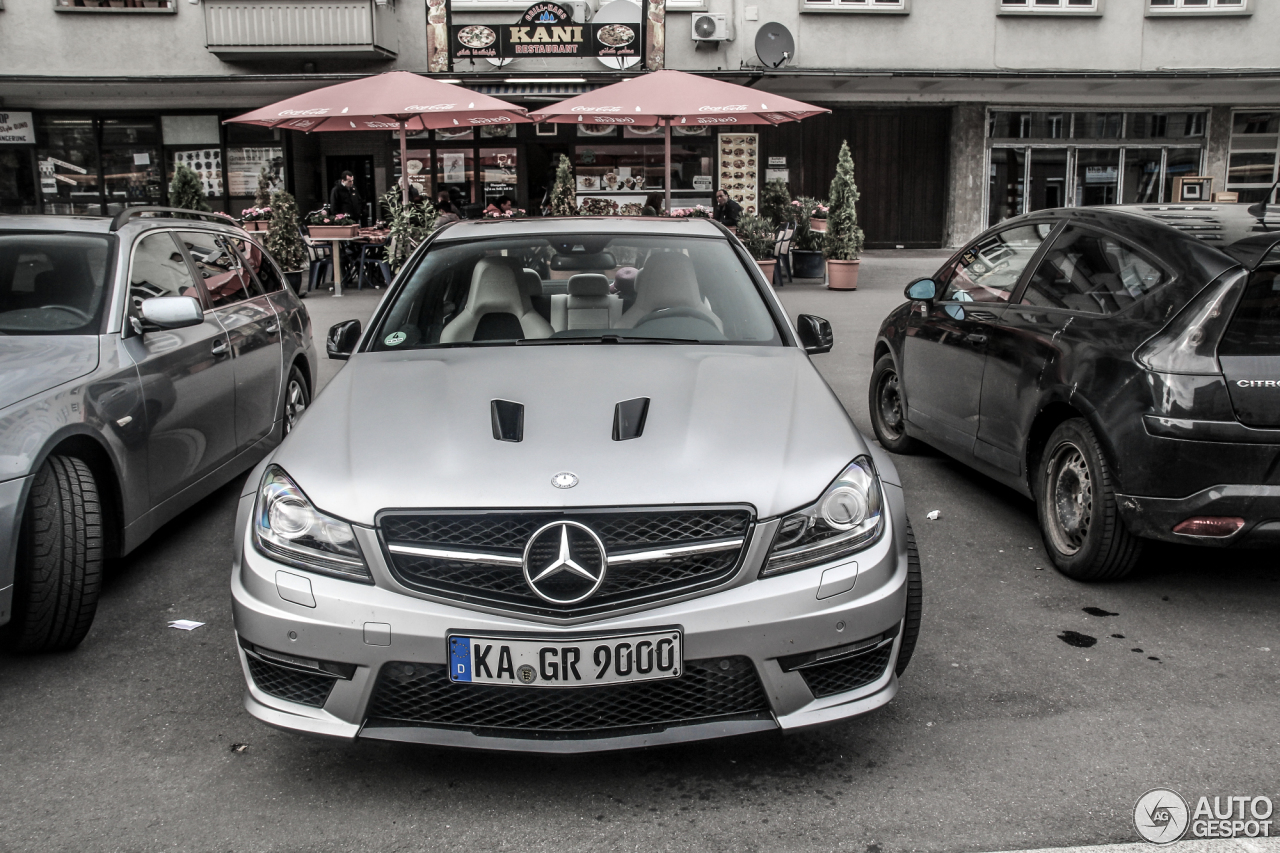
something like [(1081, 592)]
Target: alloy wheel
[(1070, 494), (295, 404)]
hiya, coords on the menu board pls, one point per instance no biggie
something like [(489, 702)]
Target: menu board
[(244, 164), (739, 166), (207, 164)]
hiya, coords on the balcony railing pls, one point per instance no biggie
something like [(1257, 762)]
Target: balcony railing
[(244, 29)]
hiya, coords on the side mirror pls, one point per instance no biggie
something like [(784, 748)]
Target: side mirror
[(815, 334), (170, 312), (342, 339), (922, 289)]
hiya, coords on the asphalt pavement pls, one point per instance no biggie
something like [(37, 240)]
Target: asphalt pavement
[(1003, 737)]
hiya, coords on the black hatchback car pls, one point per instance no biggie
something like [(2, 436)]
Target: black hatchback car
[(1121, 371)]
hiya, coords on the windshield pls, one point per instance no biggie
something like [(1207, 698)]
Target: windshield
[(53, 284), (549, 290)]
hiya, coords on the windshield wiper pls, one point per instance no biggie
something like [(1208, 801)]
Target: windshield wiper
[(604, 339)]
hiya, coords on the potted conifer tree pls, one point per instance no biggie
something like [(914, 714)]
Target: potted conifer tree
[(185, 191), (284, 239), (842, 242), (564, 201)]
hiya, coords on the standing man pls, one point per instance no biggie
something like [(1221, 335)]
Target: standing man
[(727, 211), (344, 198)]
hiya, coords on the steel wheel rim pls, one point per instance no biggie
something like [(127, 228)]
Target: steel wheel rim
[(1070, 497), (890, 404), (295, 404)]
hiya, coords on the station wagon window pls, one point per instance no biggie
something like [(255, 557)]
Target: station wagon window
[(53, 284), (1089, 272), (257, 261), (159, 269), (988, 271), (225, 278)]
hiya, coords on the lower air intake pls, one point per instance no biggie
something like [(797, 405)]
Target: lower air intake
[(285, 683), (848, 673)]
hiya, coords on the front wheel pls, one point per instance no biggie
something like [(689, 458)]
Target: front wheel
[(59, 567), (1076, 504), (915, 604), (888, 407)]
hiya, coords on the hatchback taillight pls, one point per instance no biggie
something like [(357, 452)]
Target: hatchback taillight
[(1209, 525)]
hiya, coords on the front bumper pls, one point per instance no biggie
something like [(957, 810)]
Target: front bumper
[(1259, 506), (366, 627)]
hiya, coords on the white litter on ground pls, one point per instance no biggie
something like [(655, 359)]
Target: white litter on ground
[(185, 624), (934, 515)]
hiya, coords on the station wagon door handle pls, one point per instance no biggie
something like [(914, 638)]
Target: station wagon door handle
[(273, 328), (976, 339), (219, 347)]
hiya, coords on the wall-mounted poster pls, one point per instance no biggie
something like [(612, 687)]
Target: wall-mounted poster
[(207, 164), (453, 167), (244, 163), (739, 167)]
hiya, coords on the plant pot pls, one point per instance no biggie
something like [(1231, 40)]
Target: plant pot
[(329, 232), (768, 266), (806, 264), (842, 275), (294, 278), (256, 225), (817, 224)]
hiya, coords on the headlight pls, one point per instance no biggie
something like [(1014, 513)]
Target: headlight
[(287, 528), (848, 517)]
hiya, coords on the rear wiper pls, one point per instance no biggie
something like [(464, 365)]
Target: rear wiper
[(604, 339)]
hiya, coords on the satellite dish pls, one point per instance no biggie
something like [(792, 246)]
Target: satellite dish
[(775, 45)]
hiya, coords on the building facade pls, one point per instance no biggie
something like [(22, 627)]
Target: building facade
[(959, 112)]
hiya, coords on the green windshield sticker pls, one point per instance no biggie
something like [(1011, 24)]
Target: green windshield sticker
[(395, 339)]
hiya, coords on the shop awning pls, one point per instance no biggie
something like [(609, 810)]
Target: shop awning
[(541, 91)]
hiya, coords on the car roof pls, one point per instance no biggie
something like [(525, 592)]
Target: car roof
[(552, 226), (138, 218), (47, 222)]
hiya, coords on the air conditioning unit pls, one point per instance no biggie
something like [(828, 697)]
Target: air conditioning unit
[(710, 27), (581, 10)]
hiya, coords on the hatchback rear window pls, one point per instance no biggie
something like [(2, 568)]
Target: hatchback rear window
[(53, 284), (1255, 325), (550, 289)]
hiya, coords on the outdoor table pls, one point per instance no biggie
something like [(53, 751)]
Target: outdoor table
[(376, 237)]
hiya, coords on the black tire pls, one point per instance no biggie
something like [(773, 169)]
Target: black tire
[(297, 397), (1076, 505), (888, 409), (59, 568), (915, 604)]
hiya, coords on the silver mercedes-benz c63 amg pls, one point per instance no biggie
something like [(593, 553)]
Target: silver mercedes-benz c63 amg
[(578, 488)]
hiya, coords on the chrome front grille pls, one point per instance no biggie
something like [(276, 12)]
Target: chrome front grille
[(477, 557)]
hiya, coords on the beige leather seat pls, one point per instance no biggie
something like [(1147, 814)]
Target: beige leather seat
[(666, 281), (495, 310), (587, 305)]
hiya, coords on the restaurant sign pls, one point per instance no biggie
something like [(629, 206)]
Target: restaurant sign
[(17, 129), (545, 29)]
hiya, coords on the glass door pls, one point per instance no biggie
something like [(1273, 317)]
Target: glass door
[(498, 174), (131, 171), (1005, 187), (1048, 171), (68, 161), (1097, 176), (1141, 176)]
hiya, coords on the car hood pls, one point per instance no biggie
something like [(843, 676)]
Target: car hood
[(754, 425), (30, 364)]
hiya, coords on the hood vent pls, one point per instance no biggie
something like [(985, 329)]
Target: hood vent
[(508, 420), (628, 418)]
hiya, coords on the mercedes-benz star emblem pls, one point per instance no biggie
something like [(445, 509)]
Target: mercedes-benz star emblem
[(564, 480), (564, 562)]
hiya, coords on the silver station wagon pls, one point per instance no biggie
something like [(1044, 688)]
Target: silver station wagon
[(578, 488), (145, 360)]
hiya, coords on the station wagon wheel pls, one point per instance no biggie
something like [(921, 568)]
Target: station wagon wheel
[(888, 407), (1079, 515), (296, 399)]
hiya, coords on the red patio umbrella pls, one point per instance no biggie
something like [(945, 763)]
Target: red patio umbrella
[(674, 97), (394, 100)]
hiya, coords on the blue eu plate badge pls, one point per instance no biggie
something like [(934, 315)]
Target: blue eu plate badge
[(460, 658)]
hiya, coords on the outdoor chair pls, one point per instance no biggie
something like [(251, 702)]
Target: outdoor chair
[(320, 254), (782, 251)]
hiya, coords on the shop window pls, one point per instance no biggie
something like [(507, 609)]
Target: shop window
[(891, 7), (1048, 172), (1098, 125), (1164, 125), (17, 181), (1029, 125), (131, 163), (1179, 163), (67, 154), (1255, 150), (1049, 7), (1006, 184), (1142, 171), (1097, 176), (163, 7), (498, 174), (1199, 7), (207, 164)]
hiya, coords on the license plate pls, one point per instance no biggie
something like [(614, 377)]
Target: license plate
[(565, 663)]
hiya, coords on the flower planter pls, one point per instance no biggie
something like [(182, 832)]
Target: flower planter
[(768, 267), (817, 224), (256, 225), (842, 275), (294, 278), (330, 232), (806, 264)]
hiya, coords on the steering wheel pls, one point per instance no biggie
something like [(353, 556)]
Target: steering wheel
[(85, 316), (677, 311)]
